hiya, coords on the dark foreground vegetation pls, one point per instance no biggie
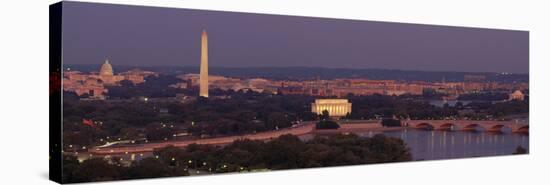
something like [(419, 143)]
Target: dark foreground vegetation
[(284, 152)]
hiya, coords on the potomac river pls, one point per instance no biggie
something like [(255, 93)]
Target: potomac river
[(435, 144)]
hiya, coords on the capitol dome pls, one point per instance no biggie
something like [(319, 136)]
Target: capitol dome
[(106, 69)]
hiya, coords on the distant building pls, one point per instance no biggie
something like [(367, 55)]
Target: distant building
[(335, 107), (286, 90), (136, 76), (516, 95), (106, 69), (106, 74), (93, 84), (474, 78)]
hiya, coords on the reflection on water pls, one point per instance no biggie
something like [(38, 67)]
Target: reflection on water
[(435, 144), (428, 145)]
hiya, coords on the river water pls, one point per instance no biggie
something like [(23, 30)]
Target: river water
[(434, 144)]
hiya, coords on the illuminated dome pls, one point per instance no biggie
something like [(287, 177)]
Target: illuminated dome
[(106, 69), (517, 95)]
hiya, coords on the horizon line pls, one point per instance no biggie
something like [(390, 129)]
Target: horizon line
[(343, 68)]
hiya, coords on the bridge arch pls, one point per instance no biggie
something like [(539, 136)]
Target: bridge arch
[(446, 126), (496, 127), (424, 125), (471, 127), (522, 129)]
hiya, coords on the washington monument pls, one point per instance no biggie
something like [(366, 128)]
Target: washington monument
[(203, 79)]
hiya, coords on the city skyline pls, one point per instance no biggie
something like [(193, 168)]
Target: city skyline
[(168, 37), (307, 67), (146, 92)]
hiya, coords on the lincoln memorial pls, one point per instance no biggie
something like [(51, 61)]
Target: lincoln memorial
[(335, 107)]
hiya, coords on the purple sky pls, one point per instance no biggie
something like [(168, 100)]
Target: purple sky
[(149, 36)]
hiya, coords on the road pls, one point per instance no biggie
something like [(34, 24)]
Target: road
[(300, 129)]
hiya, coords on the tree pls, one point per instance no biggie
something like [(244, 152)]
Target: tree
[(324, 115), (391, 122), (284, 152), (150, 168), (384, 149), (129, 133), (171, 155), (156, 131), (327, 124), (70, 165), (520, 150), (96, 169), (459, 105), (126, 83), (277, 120)]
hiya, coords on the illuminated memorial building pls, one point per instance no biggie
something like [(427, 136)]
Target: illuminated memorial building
[(335, 107), (516, 95), (93, 84)]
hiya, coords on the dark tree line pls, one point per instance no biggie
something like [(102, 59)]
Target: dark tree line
[(500, 109), (404, 107), (487, 96), (381, 106), (153, 87)]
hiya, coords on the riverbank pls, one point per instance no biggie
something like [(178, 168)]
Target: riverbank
[(357, 128)]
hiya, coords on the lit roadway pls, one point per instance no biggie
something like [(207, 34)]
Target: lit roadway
[(299, 129)]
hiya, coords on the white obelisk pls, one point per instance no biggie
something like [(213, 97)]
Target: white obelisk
[(203, 79)]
